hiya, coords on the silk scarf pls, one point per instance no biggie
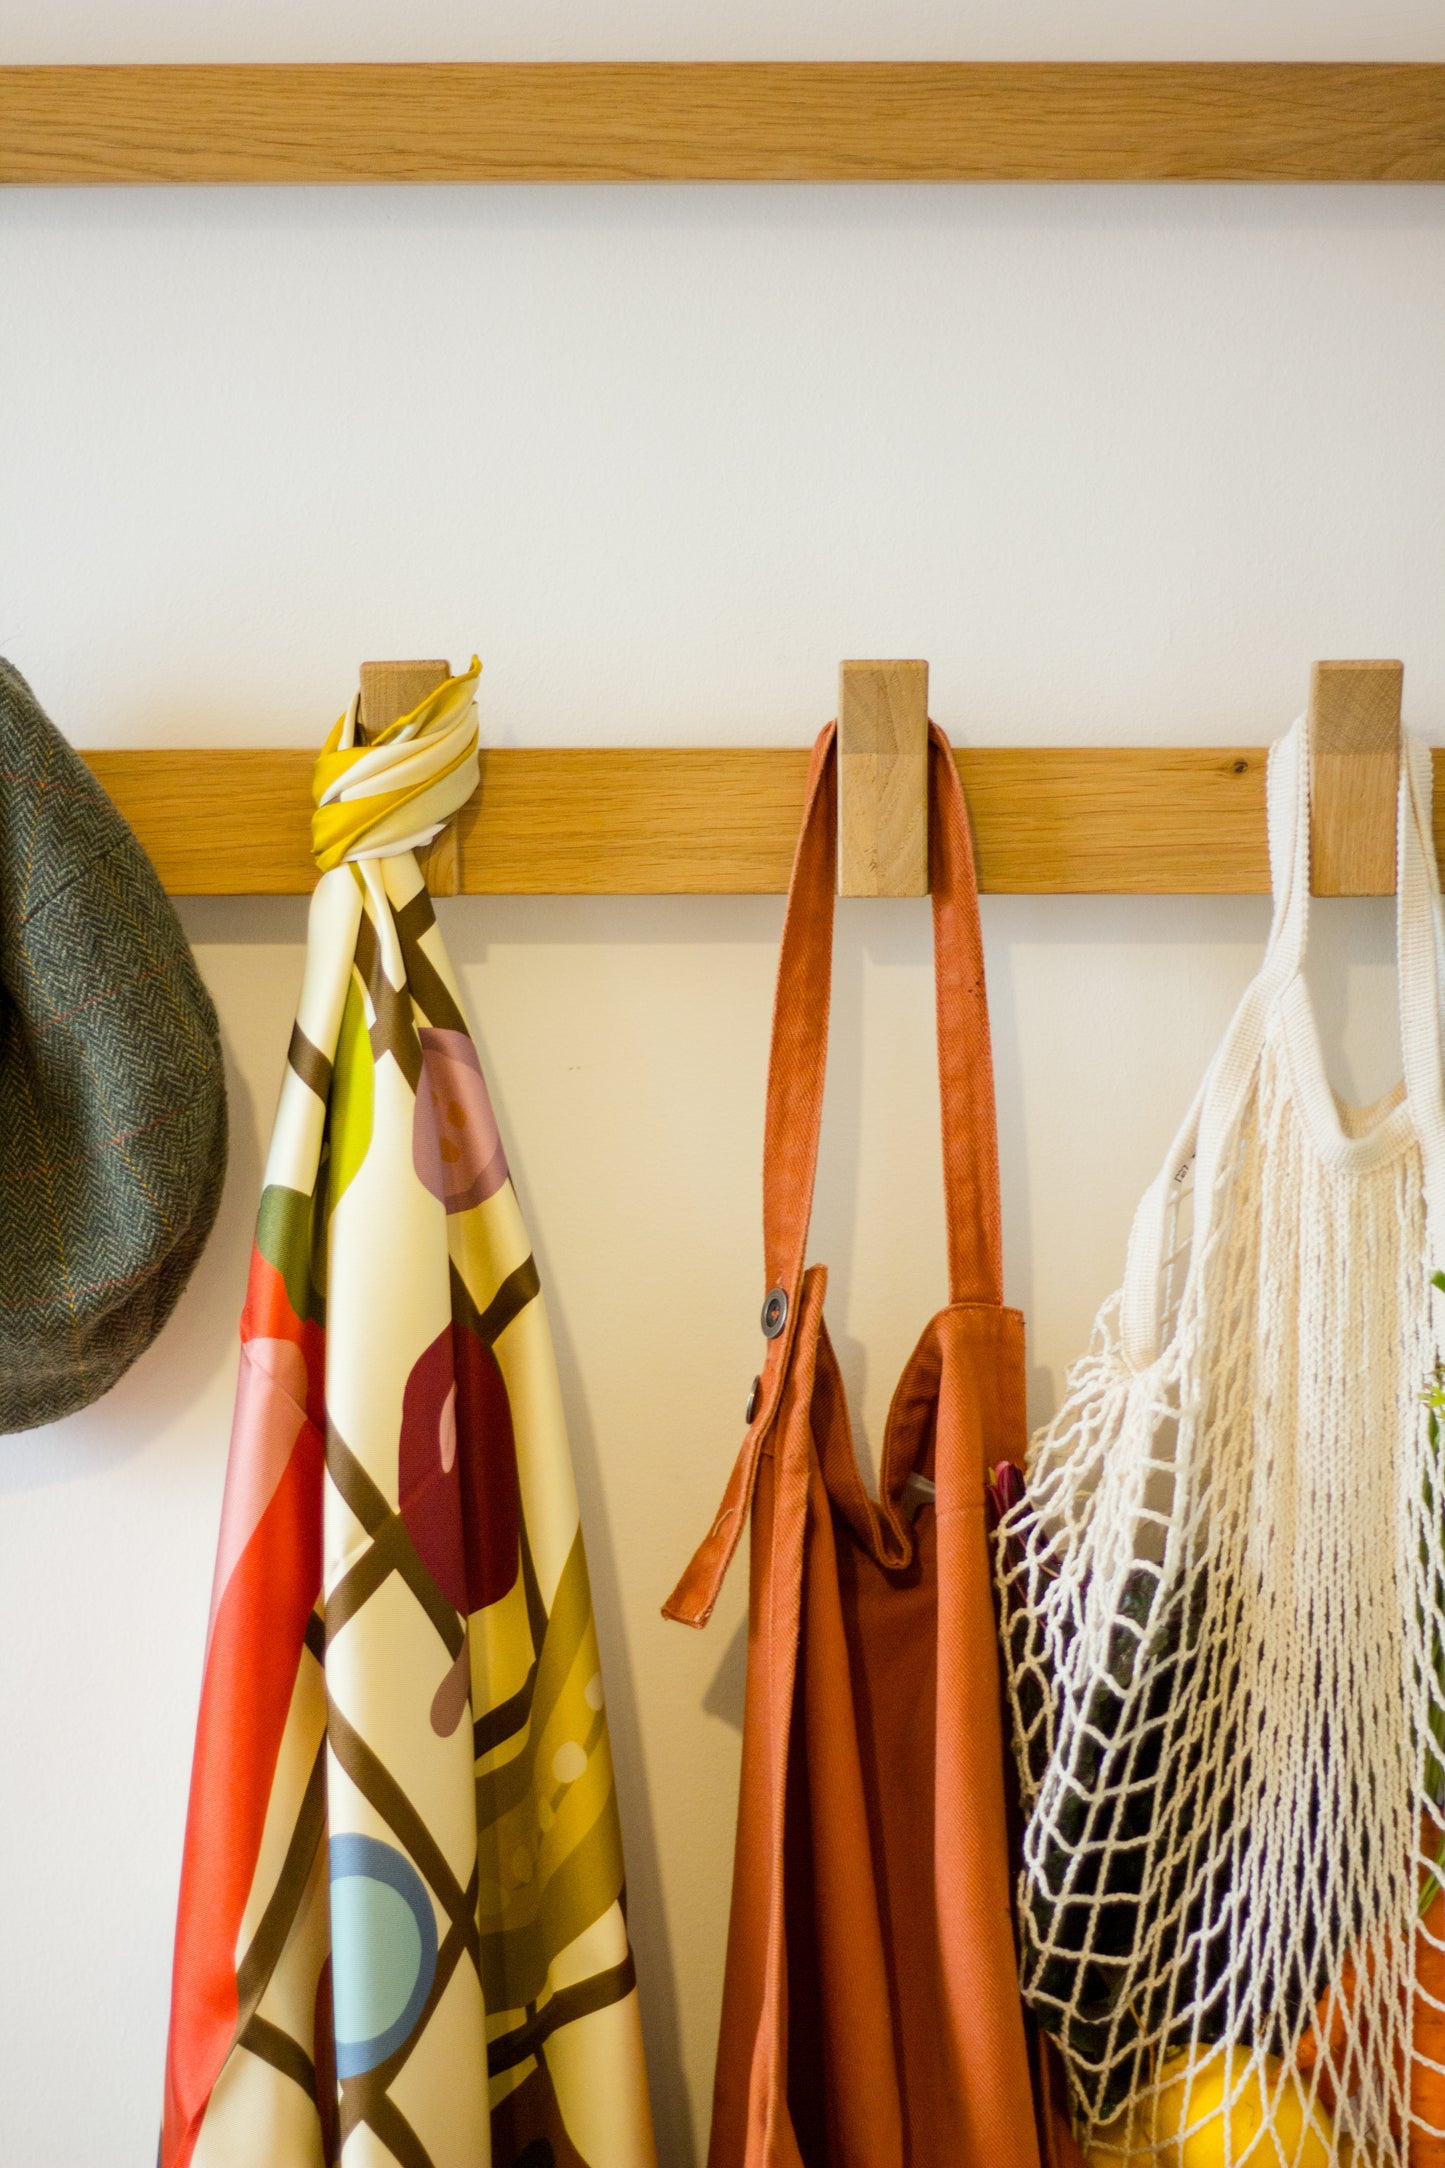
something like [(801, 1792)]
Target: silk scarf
[(401, 1934)]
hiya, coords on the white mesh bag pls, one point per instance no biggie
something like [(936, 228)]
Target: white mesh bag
[(1223, 1602)]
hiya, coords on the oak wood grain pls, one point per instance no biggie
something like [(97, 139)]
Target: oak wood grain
[(390, 690), (1354, 750), (1117, 820), (599, 821), (862, 121), (883, 779)]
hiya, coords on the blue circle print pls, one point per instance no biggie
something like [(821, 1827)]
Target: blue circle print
[(383, 1950)]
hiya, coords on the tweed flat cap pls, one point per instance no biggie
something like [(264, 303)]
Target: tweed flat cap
[(112, 1095)]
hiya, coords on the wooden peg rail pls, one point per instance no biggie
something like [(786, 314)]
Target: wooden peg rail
[(864, 121), (596, 821), (1354, 726), (883, 779)]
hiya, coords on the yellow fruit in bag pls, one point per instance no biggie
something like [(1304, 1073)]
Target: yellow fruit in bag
[(1124, 2143), (1234, 2087)]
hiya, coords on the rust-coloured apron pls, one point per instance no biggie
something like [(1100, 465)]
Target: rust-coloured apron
[(871, 2011)]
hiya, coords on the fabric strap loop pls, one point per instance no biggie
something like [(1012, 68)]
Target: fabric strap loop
[(800, 1037), (796, 1075)]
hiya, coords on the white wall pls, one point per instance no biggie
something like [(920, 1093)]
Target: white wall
[(1119, 462), (85, 30)]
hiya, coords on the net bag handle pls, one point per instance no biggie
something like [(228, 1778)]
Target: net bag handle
[(1206, 1128)]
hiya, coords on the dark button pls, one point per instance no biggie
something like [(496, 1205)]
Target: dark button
[(755, 1394), (775, 1313)]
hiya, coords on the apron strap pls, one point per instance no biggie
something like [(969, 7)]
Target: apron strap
[(965, 1050), (965, 1056), (796, 1074), (797, 1063)]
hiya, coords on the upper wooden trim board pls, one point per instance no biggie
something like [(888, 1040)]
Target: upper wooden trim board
[(1133, 821), (866, 121)]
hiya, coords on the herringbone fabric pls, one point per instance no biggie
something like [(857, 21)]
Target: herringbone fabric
[(112, 1094)]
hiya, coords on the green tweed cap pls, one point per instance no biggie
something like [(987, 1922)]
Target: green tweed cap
[(112, 1094)]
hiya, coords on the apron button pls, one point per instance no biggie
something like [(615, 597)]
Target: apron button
[(775, 1313), (755, 1394)]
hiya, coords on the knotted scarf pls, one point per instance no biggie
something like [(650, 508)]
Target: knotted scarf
[(401, 1933)]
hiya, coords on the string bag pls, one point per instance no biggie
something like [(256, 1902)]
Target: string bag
[(1223, 1594)]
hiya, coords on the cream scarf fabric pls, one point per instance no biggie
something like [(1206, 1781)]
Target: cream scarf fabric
[(401, 1933)]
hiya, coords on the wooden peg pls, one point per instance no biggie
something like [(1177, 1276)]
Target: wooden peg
[(390, 690), (883, 779), (1354, 733)]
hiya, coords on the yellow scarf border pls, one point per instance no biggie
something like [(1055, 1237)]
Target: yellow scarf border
[(377, 800)]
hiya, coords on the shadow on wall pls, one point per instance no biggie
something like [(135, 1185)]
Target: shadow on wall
[(470, 928), (725, 1696), (646, 1909)]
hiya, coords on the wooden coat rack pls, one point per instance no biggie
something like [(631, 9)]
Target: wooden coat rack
[(723, 821), (709, 121), (1354, 722)]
